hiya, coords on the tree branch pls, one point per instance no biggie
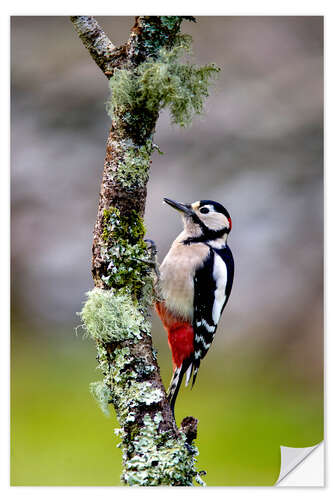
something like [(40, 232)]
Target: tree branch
[(117, 312), (100, 47)]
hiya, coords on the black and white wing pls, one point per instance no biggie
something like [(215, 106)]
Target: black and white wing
[(212, 287)]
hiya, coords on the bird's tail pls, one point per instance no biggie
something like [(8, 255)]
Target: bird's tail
[(195, 367), (176, 382)]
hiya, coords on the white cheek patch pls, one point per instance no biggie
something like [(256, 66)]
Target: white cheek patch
[(215, 220), (220, 277)]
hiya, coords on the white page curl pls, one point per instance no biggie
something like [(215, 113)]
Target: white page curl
[(291, 458)]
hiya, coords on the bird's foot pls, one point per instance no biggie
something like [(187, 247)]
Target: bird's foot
[(152, 248), (152, 251)]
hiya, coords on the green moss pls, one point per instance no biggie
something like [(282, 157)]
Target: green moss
[(125, 251), (157, 31), (160, 83), (130, 227), (110, 316), (171, 22)]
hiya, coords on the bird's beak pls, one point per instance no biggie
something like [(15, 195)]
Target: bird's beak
[(181, 207)]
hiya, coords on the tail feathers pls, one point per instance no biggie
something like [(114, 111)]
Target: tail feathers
[(188, 374), (195, 372), (176, 382), (190, 368)]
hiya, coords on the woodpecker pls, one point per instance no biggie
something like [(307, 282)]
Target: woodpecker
[(195, 282)]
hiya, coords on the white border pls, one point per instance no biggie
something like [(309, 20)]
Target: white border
[(172, 7), (245, 7)]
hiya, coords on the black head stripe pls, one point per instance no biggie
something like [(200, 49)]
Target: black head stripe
[(207, 234), (217, 207)]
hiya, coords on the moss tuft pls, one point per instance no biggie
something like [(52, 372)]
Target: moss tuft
[(160, 83), (112, 317)]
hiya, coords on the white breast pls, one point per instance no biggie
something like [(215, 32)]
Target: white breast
[(176, 277), (220, 277)]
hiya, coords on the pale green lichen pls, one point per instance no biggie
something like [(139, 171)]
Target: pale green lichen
[(137, 394), (102, 395), (111, 316), (159, 83), (103, 360), (133, 171), (122, 379), (151, 457), (158, 459)]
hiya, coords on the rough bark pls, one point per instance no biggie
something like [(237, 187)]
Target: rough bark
[(116, 314), (100, 47)]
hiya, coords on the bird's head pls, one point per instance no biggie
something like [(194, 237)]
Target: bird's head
[(205, 219)]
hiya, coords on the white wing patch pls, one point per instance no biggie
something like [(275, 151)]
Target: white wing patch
[(201, 339), (220, 276), (209, 328)]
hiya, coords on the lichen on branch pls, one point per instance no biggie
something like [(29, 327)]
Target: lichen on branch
[(110, 316), (160, 459), (162, 82), (125, 251), (152, 456)]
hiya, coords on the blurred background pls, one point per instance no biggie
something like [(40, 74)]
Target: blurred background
[(258, 149)]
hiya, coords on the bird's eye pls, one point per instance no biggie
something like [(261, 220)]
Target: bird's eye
[(204, 210)]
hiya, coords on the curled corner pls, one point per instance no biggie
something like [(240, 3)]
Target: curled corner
[(291, 458)]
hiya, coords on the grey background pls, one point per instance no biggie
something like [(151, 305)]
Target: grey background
[(258, 149)]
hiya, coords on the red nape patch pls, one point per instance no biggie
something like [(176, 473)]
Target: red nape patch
[(180, 334), (230, 223)]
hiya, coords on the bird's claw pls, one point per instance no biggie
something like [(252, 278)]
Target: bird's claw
[(152, 247), (153, 258)]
